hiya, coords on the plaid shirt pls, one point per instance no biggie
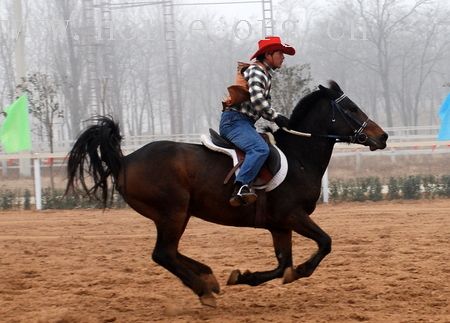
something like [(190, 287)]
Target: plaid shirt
[(259, 87)]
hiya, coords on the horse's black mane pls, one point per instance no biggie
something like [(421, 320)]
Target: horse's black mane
[(307, 102), (304, 105)]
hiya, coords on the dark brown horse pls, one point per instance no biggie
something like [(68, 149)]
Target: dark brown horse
[(169, 182)]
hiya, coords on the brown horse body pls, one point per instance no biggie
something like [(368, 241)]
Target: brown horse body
[(169, 182)]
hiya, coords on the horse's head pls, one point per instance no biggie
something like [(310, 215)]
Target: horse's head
[(346, 121)]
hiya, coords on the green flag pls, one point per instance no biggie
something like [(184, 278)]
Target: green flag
[(15, 130)]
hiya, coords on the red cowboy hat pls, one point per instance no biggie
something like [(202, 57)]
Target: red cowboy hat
[(273, 44)]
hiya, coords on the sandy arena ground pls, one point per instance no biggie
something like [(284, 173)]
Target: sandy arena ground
[(390, 263)]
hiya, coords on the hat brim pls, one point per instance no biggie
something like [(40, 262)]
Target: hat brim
[(286, 49)]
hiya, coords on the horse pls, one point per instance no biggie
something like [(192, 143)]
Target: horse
[(168, 182)]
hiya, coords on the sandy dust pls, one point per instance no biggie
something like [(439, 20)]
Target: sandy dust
[(390, 262)]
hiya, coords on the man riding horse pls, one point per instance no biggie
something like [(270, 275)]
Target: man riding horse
[(249, 101), (170, 182)]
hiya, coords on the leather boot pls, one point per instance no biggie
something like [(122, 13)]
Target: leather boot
[(242, 195)]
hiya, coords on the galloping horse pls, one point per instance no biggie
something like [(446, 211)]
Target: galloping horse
[(169, 182)]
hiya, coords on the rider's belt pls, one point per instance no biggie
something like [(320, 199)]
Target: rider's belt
[(232, 108)]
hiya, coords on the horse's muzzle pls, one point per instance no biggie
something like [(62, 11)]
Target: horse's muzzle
[(378, 142)]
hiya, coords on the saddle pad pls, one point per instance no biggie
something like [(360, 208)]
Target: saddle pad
[(272, 164), (277, 179)]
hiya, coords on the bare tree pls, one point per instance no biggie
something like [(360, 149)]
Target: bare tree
[(43, 104), (383, 18), (208, 62), (392, 58), (388, 51), (138, 71), (290, 84), (7, 83), (69, 65), (424, 50)]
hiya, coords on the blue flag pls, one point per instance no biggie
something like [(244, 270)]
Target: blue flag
[(444, 115)]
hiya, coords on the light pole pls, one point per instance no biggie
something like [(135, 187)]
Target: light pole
[(20, 69)]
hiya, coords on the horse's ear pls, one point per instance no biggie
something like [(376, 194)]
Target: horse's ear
[(334, 86), (324, 90)]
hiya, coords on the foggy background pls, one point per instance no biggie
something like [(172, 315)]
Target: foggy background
[(86, 57)]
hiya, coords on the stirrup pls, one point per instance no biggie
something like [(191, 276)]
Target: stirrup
[(243, 197)]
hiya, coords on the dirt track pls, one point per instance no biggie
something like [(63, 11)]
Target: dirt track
[(390, 262)]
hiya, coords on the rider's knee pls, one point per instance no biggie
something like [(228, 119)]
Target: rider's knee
[(263, 150)]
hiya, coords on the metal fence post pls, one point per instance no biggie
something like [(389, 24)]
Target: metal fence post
[(325, 188), (37, 184)]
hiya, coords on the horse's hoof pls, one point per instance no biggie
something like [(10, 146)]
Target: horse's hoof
[(208, 300), (289, 275), (216, 288), (212, 283), (234, 276)]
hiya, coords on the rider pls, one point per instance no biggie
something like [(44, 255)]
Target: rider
[(237, 123)]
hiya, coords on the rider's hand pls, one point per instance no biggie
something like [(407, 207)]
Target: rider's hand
[(281, 121)]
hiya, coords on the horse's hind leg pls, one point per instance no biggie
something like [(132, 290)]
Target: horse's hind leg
[(309, 229), (189, 271), (282, 241)]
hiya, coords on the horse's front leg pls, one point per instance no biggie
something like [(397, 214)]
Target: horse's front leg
[(197, 276), (282, 241), (309, 229)]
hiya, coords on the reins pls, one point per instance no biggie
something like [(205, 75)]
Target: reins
[(358, 135), (311, 135)]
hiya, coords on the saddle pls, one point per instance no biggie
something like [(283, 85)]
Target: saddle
[(273, 171)]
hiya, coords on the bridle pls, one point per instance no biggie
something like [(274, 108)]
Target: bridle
[(358, 135)]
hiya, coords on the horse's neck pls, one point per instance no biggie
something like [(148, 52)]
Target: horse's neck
[(312, 154)]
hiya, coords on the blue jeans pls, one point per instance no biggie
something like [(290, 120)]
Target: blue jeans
[(241, 131)]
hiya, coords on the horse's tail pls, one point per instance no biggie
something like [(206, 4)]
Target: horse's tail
[(96, 153)]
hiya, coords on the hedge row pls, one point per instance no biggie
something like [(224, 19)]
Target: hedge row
[(22, 199), (374, 189), (359, 189)]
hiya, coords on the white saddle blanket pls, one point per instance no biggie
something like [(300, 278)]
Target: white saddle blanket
[(277, 179)]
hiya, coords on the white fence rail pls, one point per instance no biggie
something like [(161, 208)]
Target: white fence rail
[(402, 141), (397, 136)]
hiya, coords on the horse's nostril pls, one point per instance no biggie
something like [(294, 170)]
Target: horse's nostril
[(384, 136)]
